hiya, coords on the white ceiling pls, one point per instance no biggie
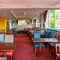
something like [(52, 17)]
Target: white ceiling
[(26, 8), (29, 3), (21, 13)]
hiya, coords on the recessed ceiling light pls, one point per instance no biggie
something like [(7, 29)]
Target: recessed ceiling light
[(27, 5), (24, 13), (5, 14)]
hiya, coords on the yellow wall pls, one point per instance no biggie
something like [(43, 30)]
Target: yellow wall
[(3, 24)]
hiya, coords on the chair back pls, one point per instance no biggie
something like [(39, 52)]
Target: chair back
[(58, 48), (14, 29), (48, 33), (36, 34)]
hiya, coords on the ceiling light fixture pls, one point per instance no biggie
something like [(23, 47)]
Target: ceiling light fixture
[(5, 14), (24, 13)]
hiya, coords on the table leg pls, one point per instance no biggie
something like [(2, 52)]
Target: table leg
[(42, 50), (4, 53)]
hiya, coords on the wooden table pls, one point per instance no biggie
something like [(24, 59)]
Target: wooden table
[(43, 40), (6, 47)]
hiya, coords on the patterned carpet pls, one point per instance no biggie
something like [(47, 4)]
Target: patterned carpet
[(24, 49)]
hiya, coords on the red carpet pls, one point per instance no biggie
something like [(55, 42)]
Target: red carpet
[(24, 49)]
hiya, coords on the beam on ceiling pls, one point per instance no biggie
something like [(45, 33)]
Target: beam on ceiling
[(13, 14)]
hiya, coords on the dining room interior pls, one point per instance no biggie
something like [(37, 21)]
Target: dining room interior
[(30, 30)]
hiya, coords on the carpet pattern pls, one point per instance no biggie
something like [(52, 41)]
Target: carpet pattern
[(24, 49)]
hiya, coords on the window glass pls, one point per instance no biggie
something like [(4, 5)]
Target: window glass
[(51, 19), (57, 18), (21, 22)]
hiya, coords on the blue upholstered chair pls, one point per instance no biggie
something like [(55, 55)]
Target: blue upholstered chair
[(14, 29), (37, 44), (48, 33)]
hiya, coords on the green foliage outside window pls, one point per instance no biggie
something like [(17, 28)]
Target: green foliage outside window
[(57, 18), (50, 22), (51, 18)]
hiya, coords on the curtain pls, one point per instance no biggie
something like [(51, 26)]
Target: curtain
[(45, 15)]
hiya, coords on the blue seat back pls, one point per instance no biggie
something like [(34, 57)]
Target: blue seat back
[(14, 29), (36, 34), (54, 30), (48, 33)]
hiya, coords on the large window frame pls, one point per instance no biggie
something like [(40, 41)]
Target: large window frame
[(55, 20)]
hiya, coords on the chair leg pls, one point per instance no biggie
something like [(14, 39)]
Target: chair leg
[(35, 50), (42, 52), (49, 48), (56, 57), (11, 57)]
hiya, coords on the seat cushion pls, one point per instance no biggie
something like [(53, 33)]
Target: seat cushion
[(42, 45), (9, 53), (36, 45), (1, 53)]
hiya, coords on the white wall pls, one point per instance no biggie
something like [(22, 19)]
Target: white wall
[(21, 27), (9, 38)]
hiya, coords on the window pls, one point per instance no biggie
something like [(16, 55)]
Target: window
[(22, 22), (53, 19), (57, 12)]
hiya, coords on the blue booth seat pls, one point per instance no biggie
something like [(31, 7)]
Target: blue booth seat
[(48, 33), (54, 30)]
